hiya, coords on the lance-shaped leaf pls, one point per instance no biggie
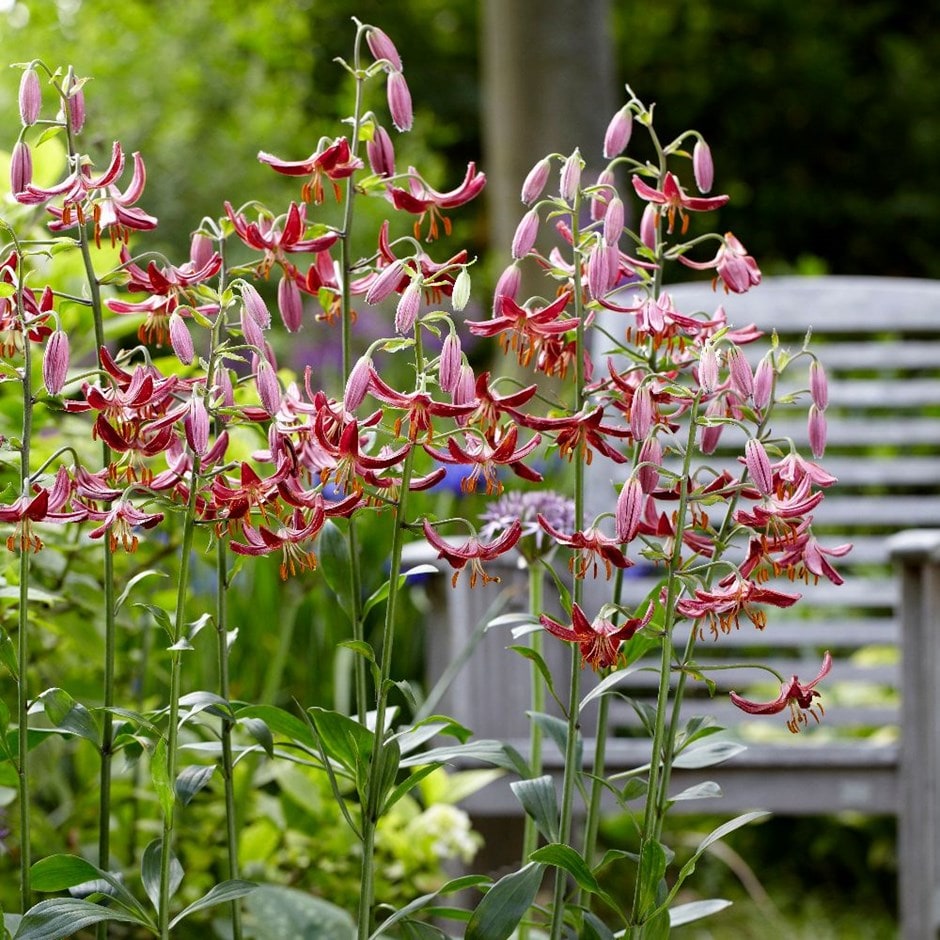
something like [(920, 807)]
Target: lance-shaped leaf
[(505, 904)]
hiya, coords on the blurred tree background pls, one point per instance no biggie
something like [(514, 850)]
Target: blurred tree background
[(823, 117)]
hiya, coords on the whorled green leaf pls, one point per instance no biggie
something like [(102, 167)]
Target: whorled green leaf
[(657, 927), (696, 910), (343, 739), (132, 583), (456, 884), (201, 701), (274, 913), (261, 733), (150, 872), (381, 593), (539, 800), (61, 872), (505, 904), (280, 722), (496, 753), (607, 684), (69, 716), (221, 893), (336, 564), (708, 753), (653, 861), (64, 917), (191, 780), (161, 617)]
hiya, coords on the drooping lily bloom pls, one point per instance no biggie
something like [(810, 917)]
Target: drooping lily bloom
[(600, 641), (722, 607), (672, 197), (488, 405), (591, 547), (734, 267), (473, 551), (47, 504), (798, 696), (419, 407), (422, 200), (289, 537), (581, 434), (119, 523), (484, 459), (332, 159)]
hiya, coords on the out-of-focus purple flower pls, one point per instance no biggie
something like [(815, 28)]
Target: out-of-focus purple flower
[(526, 507)]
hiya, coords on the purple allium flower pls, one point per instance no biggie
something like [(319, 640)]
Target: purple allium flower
[(558, 510)]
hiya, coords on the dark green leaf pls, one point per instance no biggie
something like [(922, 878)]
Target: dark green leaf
[(63, 917), (381, 593), (69, 716), (652, 871), (260, 731), (160, 616), (657, 927), (191, 780), (505, 904), (61, 872), (336, 564), (280, 722), (160, 774), (278, 912), (539, 800), (342, 738), (132, 583), (150, 872), (218, 894)]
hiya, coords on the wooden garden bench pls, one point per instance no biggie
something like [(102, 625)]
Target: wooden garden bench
[(879, 339)]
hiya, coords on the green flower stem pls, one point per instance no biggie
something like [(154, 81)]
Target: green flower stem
[(372, 809), (574, 685), (172, 732), (360, 679)]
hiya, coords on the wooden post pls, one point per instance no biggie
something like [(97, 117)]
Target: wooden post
[(917, 556)]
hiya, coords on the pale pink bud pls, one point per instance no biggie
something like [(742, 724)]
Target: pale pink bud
[(465, 389), (255, 306), (223, 388), (381, 153), (408, 306), (613, 221), (508, 284), (763, 383), (536, 180), (448, 372), (382, 47), (289, 304), (817, 431), (399, 101), (55, 362), (597, 273), (526, 232), (702, 166), (460, 295), (651, 457), (21, 167), (629, 512), (613, 265), (251, 331), (742, 379), (648, 226), (196, 426), (75, 110), (201, 250), (181, 340), (758, 466), (641, 413), (618, 133), (269, 389), (358, 383), (570, 177), (818, 385), (708, 368), (385, 283), (30, 97)]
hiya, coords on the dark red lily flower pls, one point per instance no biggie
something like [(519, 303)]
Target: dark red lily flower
[(334, 160), (421, 200), (673, 199), (47, 504), (734, 267), (489, 406), (798, 696), (581, 434), (485, 458), (590, 547), (289, 538), (119, 523), (599, 641), (473, 551), (420, 407), (722, 608)]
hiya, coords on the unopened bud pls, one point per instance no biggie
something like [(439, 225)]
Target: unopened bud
[(399, 101), (460, 295), (629, 512), (75, 110), (618, 133), (223, 388), (613, 221), (597, 273), (536, 180), (21, 167), (526, 232), (448, 371), (255, 307), (651, 457), (358, 383), (290, 304), (571, 176), (702, 166), (196, 426), (708, 368), (763, 383), (818, 385), (385, 283), (381, 153), (818, 431), (508, 285), (30, 97), (742, 379), (464, 390), (269, 389), (55, 362), (408, 306), (181, 340), (201, 250), (758, 466), (641, 413), (382, 47), (648, 222), (711, 432)]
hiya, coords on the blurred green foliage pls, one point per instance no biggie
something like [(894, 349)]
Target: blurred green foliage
[(823, 117)]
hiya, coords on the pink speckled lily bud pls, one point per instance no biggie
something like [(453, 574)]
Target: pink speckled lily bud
[(618, 133), (30, 98), (570, 176), (399, 101), (255, 306), (181, 340), (641, 413), (742, 379), (201, 250), (55, 362), (818, 385), (613, 221), (406, 312), (818, 430), (385, 282), (21, 167), (223, 388), (648, 226), (382, 47), (358, 383), (269, 389), (708, 368), (536, 180), (448, 372), (508, 284), (702, 166), (75, 110), (597, 271), (763, 383), (196, 426), (465, 388), (629, 512), (710, 434), (758, 466), (290, 304), (651, 457), (381, 153), (526, 232)]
